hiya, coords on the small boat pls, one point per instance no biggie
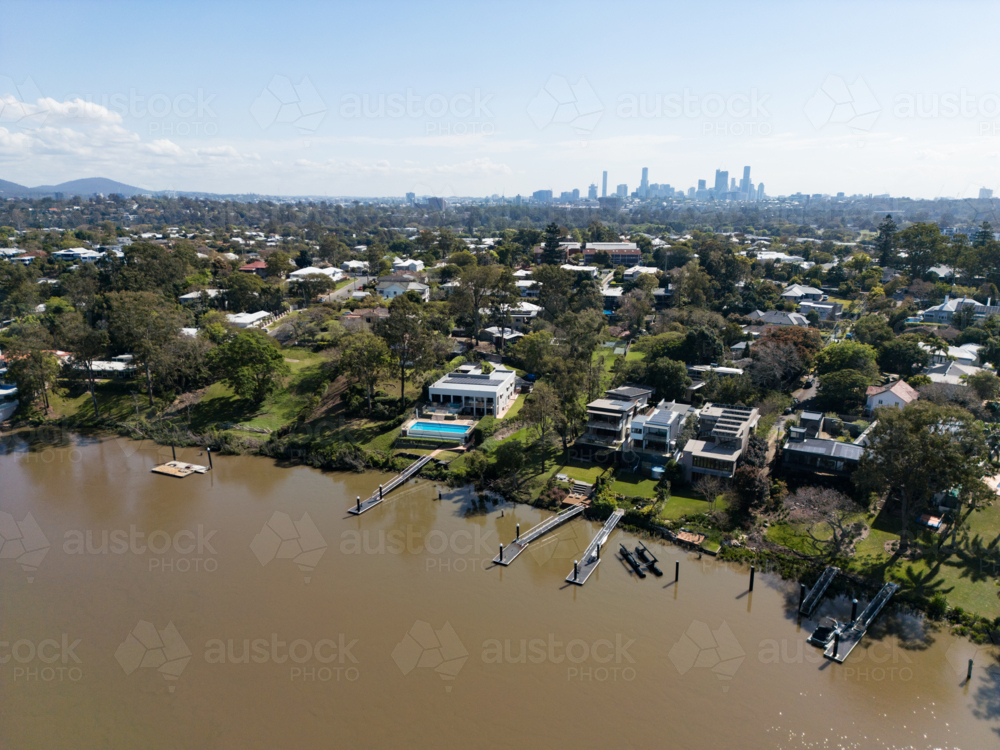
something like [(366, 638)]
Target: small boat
[(630, 559), (823, 634)]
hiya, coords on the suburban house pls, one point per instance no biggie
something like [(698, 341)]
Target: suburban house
[(951, 373), (723, 434), (778, 318), (662, 296), (609, 419), (354, 267), (192, 298), (653, 435), (500, 338), (333, 273), (820, 455), (897, 394), (78, 255), (811, 423), (249, 320), (520, 316), (477, 392), (258, 267), (944, 312), (122, 366), (825, 310), (407, 264), (391, 289), (800, 293), (592, 271), (635, 272), (26, 259), (527, 288), (612, 296), (966, 354), (363, 318)]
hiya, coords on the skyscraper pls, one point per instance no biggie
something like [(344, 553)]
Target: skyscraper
[(721, 183), (623, 191), (644, 185), (604, 187), (760, 192), (732, 186), (701, 184), (745, 182), (592, 191)]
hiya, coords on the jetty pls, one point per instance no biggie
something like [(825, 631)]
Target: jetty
[(845, 640), (816, 593), (410, 471), (515, 548), (179, 469), (592, 555)]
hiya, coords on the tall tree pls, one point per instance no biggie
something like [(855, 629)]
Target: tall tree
[(404, 333), (365, 360), (552, 254), (86, 344), (885, 242)]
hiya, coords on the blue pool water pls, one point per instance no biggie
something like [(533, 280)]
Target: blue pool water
[(446, 429)]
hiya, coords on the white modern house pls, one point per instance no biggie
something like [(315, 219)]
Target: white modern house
[(478, 392), (249, 320), (592, 271), (657, 431), (723, 434), (966, 354)]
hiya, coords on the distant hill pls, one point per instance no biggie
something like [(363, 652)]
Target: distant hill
[(13, 190), (85, 187)]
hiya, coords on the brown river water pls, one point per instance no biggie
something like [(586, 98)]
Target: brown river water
[(245, 608)]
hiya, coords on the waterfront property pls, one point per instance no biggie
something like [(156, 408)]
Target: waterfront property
[(820, 455), (654, 435), (609, 419), (723, 434), (475, 392)]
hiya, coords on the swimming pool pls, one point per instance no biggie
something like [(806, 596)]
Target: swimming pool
[(439, 427)]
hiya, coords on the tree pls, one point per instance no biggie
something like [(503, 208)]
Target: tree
[(669, 377), (541, 409), (555, 289), (476, 284), (843, 389), (776, 365), (751, 487), (31, 364), (903, 356), (848, 355), (404, 333), (872, 330), (986, 384), (925, 246), (533, 350), (807, 341), (143, 323), (251, 364), (552, 253), (503, 298), (313, 285), (366, 360), (885, 249), (634, 308), (709, 487), (918, 451), (278, 264), (834, 514), (509, 459), (86, 344)]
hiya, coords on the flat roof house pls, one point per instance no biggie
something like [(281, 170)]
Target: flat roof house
[(723, 433), (654, 434), (609, 419), (820, 456), (476, 392)]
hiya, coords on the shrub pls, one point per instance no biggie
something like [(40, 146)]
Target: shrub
[(937, 607)]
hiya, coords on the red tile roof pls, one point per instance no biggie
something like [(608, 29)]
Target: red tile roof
[(900, 388)]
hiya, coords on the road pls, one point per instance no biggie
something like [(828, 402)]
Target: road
[(345, 292)]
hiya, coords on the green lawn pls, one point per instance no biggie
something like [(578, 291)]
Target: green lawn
[(633, 354), (518, 405), (680, 505), (117, 399), (635, 485)]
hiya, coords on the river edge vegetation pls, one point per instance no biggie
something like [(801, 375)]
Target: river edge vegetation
[(313, 389)]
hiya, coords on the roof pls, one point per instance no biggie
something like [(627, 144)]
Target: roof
[(257, 265), (899, 388), (798, 290), (778, 318), (607, 404), (822, 447), (628, 393), (812, 416)]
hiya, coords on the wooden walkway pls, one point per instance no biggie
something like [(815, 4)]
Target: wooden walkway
[(853, 635), (814, 596), (396, 481), (515, 548), (592, 555)]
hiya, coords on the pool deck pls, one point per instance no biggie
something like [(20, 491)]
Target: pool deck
[(450, 428)]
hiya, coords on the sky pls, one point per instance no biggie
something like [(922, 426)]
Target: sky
[(382, 98)]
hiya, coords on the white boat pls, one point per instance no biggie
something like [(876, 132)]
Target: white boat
[(8, 401)]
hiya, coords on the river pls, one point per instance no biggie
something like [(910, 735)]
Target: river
[(244, 608)]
